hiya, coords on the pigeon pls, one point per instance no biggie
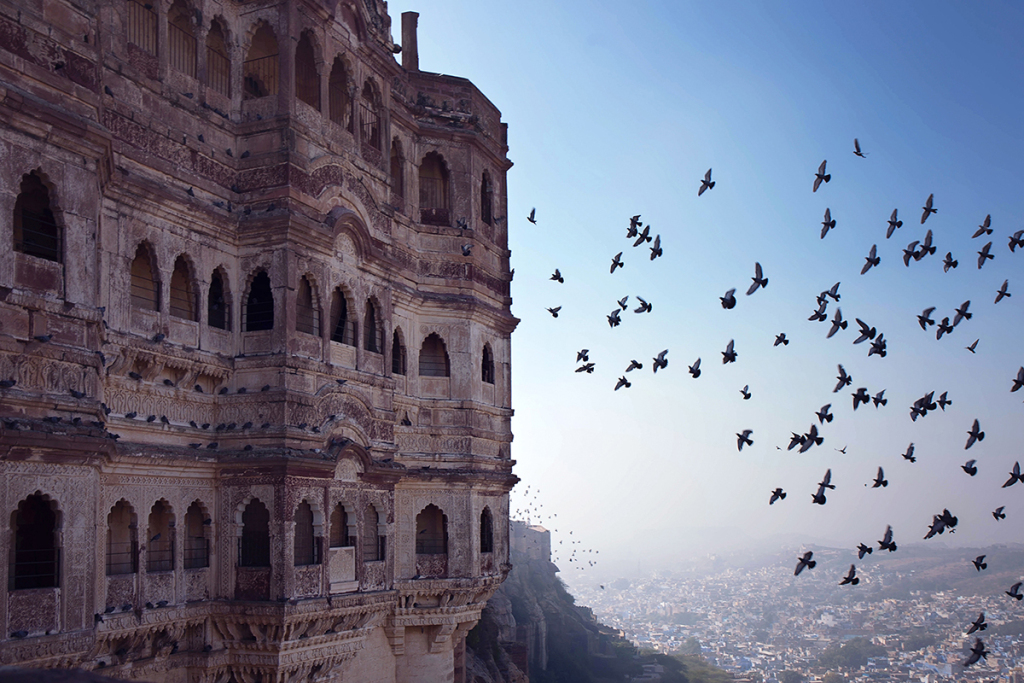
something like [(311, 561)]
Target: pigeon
[(1015, 476), (879, 399), (804, 561), (880, 480), (911, 252), (695, 369), (587, 368), (1018, 381), (886, 542), (729, 356), (796, 440), (850, 578), (926, 247), (622, 302), (861, 397), (984, 255), (970, 468), (583, 355), (928, 210), (554, 311), (962, 314), (781, 339), (826, 481), (949, 262), (943, 401), (985, 228), (777, 494), (644, 307), (844, 379), (706, 184), (533, 216), (744, 438), (979, 563), (759, 279), (893, 224), (43, 338), (856, 149), (1001, 293), (833, 292), (728, 301), (872, 259), (613, 318), (978, 651), (467, 249), (7, 383), (746, 392), (623, 382), (973, 345), (863, 550), (265, 387), (978, 624), (998, 513), (77, 394), (644, 236), (909, 455), (634, 365), (136, 376), (634, 223), (159, 337), (223, 391), (131, 416), (660, 361), (827, 224), (617, 262), (944, 328), (975, 434), (557, 277), (821, 176), (924, 320), (837, 323), (866, 332), (1016, 240), (819, 315), (656, 249), (1014, 591), (823, 414)]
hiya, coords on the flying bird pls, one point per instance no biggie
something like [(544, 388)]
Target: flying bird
[(634, 223), (746, 392), (979, 563), (706, 184), (804, 561), (644, 236), (583, 355), (729, 300), (796, 440), (837, 323), (880, 480), (924, 320), (744, 438), (1015, 476), (587, 368), (975, 434), (656, 250), (872, 259), (909, 455), (1018, 381), (821, 176), (827, 224), (1002, 293), (613, 318), (856, 149), (893, 224), (949, 262), (729, 356), (943, 401), (970, 468), (999, 514), (644, 307), (660, 361), (944, 328), (823, 414), (622, 302), (845, 380), (886, 542), (911, 252), (819, 315), (978, 624), (879, 399), (861, 396), (1014, 591), (1016, 240), (695, 369), (634, 365), (623, 382), (984, 255), (985, 228), (810, 439), (850, 578), (863, 550), (777, 494), (866, 332), (759, 279), (781, 339), (826, 481), (533, 216), (557, 276), (962, 314), (554, 311), (928, 210), (978, 651), (617, 262)]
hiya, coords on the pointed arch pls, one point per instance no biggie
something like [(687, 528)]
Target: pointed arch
[(307, 72), (434, 192), (218, 301), (35, 553), (145, 286), (160, 546), (181, 39), (487, 365), (373, 327), (486, 531), (338, 94), (369, 114), (343, 526), (254, 544), (307, 548), (398, 354), (374, 535), (259, 304), (261, 70), (307, 307), (122, 540), (431, 531), (434, 357), (218, 59), (36, 230), (343, 319), (197, 536), (183, 299)]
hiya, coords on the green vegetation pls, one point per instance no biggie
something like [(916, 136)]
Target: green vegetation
[(792, 677), (852, 654)]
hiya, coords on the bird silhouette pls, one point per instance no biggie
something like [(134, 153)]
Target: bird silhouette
[(975, 434), (909, 454), (821, 176), (985, 228), (998, 513), (984, 255), (879, 399), (644, 306), (962, 314), (911, 252), (944, 328), (617, 262), (924, 320), (943, 401), (583, 355), (1015, 476), (978, 651), (533, 216), (660, 361), (823, 414), (706, 184), (837, 323), (819, 315), (780, 338), (634, 365), (845, 380), (856, 149), (872, 259), (927, 208), (746, 392), (978, 624), (886, 542), (850, 578), (777, 494), (970, 468), (557, 276), (613, 318), (695, 369), (828, 223), (744, 438), (863, 550), (949, 262), (554, 311), (729, 300), (860, 396), (1016, 240), (979, 563), (880, 480), (804, 562), (1014, 591), (893, 224), (729, 355), (1001, 293), (973, 345), (622, 302), (810, 439), (623, 382), (656, 249)]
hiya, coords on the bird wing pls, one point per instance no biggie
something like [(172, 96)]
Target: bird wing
[(821, 169)]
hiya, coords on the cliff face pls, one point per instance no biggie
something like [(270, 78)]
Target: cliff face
[(532, 631)]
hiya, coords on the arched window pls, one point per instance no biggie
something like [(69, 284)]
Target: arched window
[(259, 307), (218, 312), (431, 532), (142, 25), (397, 355), (306, 547), (486, 532), (343, 326), (145, 286), (487, 365), (374, 541), (36, 232), (369, 115), (182, 299), (339, 99), (254, 545), (373, 329), (197, 544), (486, 198), (35, 558), (342, 527), (397, 181), (307, 308), (434, 358), (181, 39), (307, 78), (434, 191), (122, 544), (260, 73), (160, 546), (218, 61)]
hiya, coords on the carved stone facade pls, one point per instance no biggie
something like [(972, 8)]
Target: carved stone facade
[(254, 343)]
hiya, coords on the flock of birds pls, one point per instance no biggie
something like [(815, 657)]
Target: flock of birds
[(916, 251)]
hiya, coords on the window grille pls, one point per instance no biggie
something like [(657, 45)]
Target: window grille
[(397, 355), (261, 70), (254, 544), (431, 532), (434, 358), (433, 179), (122, 547), (307, 79), (218, 64), (182, 301), (306, 546), (36, 232), (344, 327), (142, 25), (259, 309), (373, 541), (35, 557), (197, 546), (181, 41), (217, 304), (145, 290), (339, 101)]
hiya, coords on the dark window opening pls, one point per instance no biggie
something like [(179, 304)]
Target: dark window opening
[(142, 25), (254, 544), (397, 355), (486, 532), (341, 535), (431, 532), (35, 557), (487, 365), (307, 310), (160, 546), (36, 232), (182, 299), (369, 116), (343, 327), (339, 99), (259, 308), (122, 544), (434, 358), (197, 545), (306, 546), (218, 64), (260, 73), (374, 540), (397, 184), (307, 78), (217, 303), (145, 287), (181, 40), (374, 340), (434, 200), (486, 199)]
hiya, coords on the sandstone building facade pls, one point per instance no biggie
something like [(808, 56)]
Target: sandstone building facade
[(254, 343)]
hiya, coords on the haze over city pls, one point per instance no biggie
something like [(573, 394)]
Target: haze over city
[(616, 111)]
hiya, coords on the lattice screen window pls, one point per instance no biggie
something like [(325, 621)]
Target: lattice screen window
[(434, 358), (182, 296), (145, 289), (181, 39)]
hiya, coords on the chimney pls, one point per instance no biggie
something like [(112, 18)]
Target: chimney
[(410, 51)]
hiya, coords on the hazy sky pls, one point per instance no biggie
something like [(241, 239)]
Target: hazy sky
[(619, 108)]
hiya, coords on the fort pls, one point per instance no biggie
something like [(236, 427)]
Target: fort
[(254, 343)]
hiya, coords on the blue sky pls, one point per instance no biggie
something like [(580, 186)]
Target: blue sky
[(616, 109)]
